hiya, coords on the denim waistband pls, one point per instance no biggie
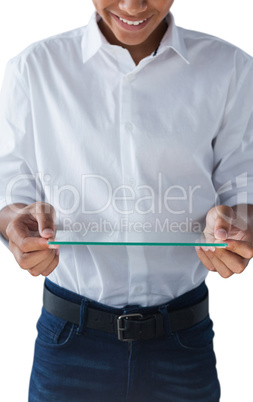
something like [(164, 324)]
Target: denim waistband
[(185, 300)]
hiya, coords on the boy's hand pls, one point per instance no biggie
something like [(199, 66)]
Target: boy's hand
[(28, 233), (224, 223)]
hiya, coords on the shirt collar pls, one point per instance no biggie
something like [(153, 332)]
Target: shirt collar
[(93, 39), (174, 39)]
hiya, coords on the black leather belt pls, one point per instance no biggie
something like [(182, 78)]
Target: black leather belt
[(127, 327)]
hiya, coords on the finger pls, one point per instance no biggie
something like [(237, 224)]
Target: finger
[(204, 259), (29, 260), (234, 262), (242, 248), (44, 213), (207, 248), (46, 265), (27, 243), (52, 266), (218, 264), (27, 240), (223, 221), (219, 221)]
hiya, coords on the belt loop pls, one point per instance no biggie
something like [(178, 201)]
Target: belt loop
[(83, 316), (166, 322)]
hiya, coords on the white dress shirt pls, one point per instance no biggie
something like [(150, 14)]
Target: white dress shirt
[(112, 144)]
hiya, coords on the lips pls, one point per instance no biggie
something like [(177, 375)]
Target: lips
[(131, 24)]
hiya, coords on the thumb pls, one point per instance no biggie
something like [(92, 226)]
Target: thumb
[(45, 215), (223, 221)]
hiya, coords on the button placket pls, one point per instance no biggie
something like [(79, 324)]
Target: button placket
[(136, 255), (126, 132), (137, 268)]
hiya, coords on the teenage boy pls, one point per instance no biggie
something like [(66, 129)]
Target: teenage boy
[(136, 123)]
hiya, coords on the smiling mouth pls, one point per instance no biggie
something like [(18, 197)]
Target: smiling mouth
[(132, 22)]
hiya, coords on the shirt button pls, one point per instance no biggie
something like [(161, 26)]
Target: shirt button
[(129, 126), (138, 289), (130, 77)]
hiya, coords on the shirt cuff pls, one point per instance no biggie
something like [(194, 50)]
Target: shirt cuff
[(232, 201), (15, 200)]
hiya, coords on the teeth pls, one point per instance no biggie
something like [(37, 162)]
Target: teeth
[(132, 22)]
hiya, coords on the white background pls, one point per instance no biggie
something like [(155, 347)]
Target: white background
[(26, 21)]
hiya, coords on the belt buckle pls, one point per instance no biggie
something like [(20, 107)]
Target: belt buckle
[(120, 325)]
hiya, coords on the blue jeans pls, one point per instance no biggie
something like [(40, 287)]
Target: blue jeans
[(76, 364)]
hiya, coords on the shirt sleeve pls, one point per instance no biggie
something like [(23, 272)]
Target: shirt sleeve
[(233, 145), (17, 155)]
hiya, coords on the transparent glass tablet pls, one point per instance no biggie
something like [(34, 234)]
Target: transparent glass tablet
[(119, 238)]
